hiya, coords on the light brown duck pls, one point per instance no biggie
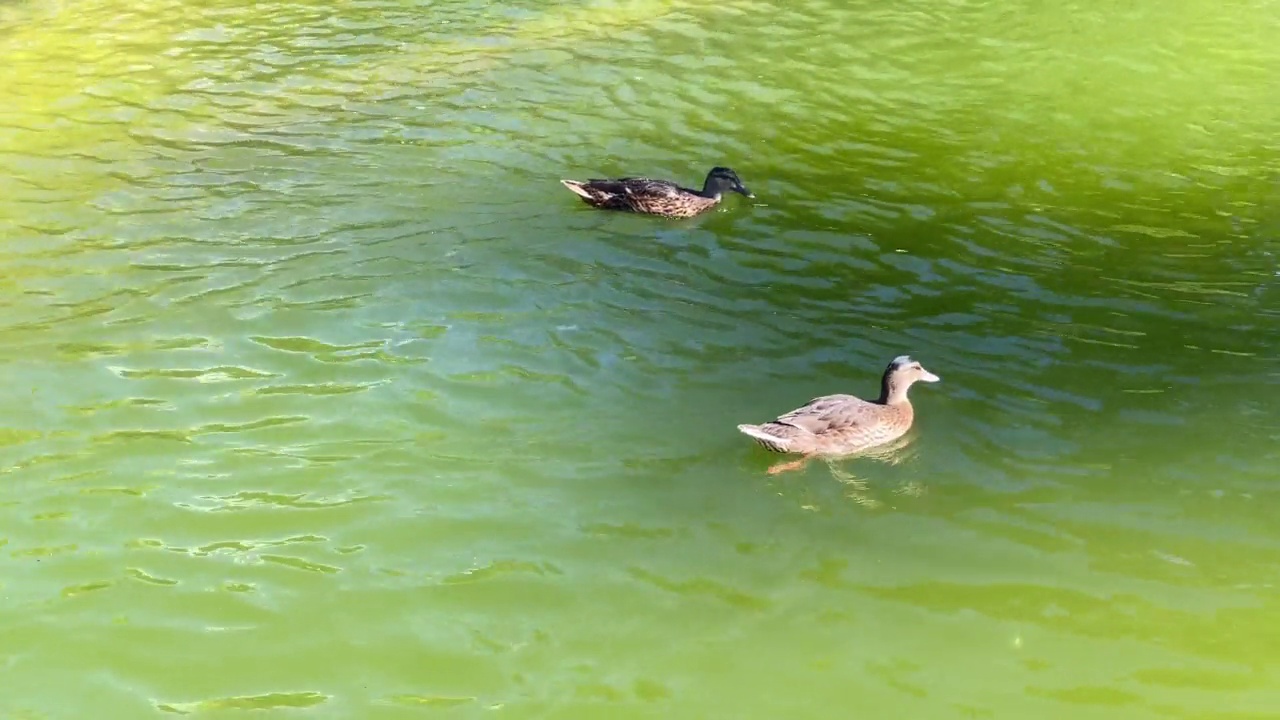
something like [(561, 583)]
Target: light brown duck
[(834, 425)]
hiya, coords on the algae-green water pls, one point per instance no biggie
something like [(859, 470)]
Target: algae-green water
[(323, 398)]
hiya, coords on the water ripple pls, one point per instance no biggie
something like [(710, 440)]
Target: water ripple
[(299, 325)]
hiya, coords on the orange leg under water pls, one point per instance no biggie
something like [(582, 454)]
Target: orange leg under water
[(788, 466)]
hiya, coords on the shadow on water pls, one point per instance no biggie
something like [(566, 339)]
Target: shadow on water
[(845, 470)]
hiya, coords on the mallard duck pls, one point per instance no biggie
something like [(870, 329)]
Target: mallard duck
[(834, 425), (658, 197)]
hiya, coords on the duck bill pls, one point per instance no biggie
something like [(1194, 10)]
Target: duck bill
[(927, 376), (742, 189)]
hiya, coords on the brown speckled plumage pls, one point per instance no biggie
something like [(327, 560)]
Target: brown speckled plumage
[(657, 197), (844, 424)]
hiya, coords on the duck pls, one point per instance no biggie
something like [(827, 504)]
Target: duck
[(658, 197), (836, 425)]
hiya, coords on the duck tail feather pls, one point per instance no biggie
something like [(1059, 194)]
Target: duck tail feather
[(578, 187), (759, 433)]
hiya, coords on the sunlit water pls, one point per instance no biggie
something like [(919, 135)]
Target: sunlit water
[(321, 393)]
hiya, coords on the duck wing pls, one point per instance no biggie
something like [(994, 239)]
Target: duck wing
[(820, 423), (828, 414), (641, 186), (642, 195)]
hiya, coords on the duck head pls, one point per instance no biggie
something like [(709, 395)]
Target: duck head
[(722, 180), (901, 374)]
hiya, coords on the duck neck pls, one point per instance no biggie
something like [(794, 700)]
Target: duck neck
[(892, 391), (711, 189)]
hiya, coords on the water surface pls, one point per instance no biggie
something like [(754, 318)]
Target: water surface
[(322, 395)]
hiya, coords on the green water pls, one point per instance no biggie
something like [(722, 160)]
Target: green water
[(323, 397)]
